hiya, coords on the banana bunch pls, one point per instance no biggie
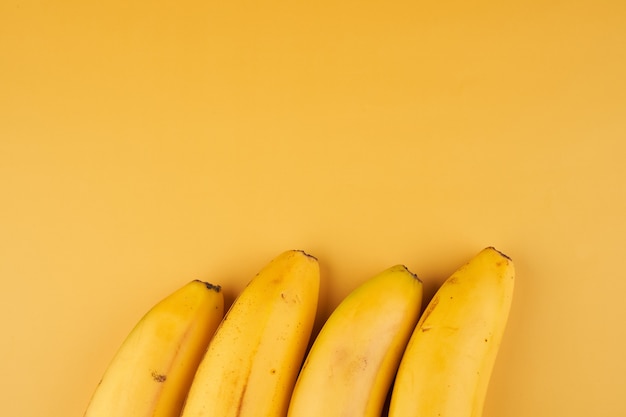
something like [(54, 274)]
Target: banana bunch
[(376, 350)]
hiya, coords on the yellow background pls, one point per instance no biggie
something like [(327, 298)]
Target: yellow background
[(145, 144)]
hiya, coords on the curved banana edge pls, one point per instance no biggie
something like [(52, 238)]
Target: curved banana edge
[(151, 372), (352, 362), (251, 364), (447, 364)]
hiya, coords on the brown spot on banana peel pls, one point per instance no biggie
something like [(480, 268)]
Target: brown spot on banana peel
[(209, 286), (158, 377), (293, 300), (448, 328)]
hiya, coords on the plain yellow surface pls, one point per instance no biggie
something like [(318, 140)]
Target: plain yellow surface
[(145, 144)]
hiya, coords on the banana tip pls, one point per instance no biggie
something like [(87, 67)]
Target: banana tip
[(209, 286), (306, 254), (501, 253), (413, 274)]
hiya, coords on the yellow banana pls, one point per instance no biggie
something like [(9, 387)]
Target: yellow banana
[(448, 361), (252, 362), (152, 370), (352, 362)]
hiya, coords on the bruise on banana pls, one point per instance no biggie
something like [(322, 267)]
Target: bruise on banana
[(157, 377)]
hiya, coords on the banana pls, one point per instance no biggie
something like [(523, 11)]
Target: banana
[(151, 372), (352, 362), (448, 361), (252, 362)]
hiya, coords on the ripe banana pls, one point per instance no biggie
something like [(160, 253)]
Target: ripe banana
[(152, 370), (352, 362), (448, 361), (252, 362)]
